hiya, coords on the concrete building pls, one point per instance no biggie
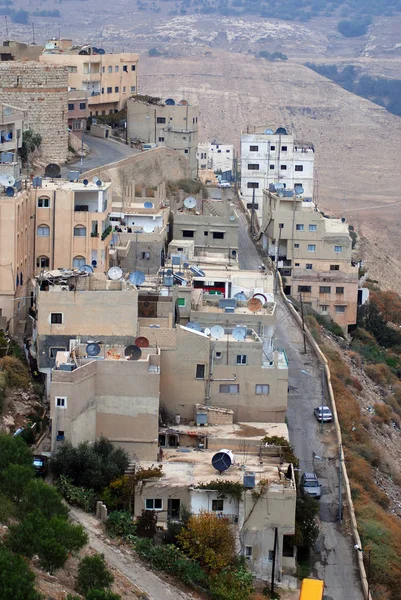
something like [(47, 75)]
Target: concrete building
[(172, 125), (314, 255), (110, 79), (17, 264), (13, 50), (11, 128), (40, 91), (265, 506), (78, 110), (72, 224), (268, 157), (217, 158)]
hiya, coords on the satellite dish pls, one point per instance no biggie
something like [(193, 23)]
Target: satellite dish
[(114, 273), (268, 132), (232, 218), (52, 170), (261, 297), (10, 192), (148, 228), (193, 325), (86, 269), (222, 460), (254, 304), (101, 51), (85, 182), (137, 278), (190, 202), (7, 180), (148, 205), (93, 349), (207, 331), (183, 102), (279, 186), (186, 265), (133, 352), (240, 297), (169, 272), (239, 333), (99, 183), (281, 131), (298, 189), (170, 102), (217, 332), (95, 178), (142, 342)]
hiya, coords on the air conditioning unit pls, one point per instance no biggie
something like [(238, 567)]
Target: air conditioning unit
[(249, 480)]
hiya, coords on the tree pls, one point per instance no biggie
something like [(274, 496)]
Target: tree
[(102, 595), (209, 540), (232, 585), (13, 450), (44, 498), (20, 16), (14, 479), (30, 142), (306, 528), (93, 574), (146, 524), (17, 581)]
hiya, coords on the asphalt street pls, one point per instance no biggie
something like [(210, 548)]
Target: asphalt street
[(102, 153), (334, 559)]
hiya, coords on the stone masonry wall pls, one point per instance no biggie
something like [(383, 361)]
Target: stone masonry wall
[(41, 90)]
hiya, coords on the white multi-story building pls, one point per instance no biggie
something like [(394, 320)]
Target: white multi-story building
[(268, 157), (217, 157)]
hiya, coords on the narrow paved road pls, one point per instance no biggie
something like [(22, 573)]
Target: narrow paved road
[(103, 152), (334, 559)]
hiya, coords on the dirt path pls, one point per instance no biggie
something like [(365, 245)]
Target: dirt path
[(143, 579)]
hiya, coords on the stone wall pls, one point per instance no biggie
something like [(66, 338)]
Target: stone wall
[(41, 90)]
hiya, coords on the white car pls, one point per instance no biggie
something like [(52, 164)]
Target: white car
[(323, 413), (224, 184)]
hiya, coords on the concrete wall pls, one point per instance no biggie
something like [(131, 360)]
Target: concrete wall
[(41, 91), (204, 228), (157, 489)]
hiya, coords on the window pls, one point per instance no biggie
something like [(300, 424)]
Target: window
[(338, 249), (283, 148), (56, 318), (116, 69), (299, 167), (110, 69), (125, 68), (218, 504), (309, 266), (339, 290), (82, 105), (116, 89), (253, 167), (200, 372), (228, 389), (252, 185), (218, 355), (186, 151), (296, 245), (251, 149), (124, 89), (241, 359), (109, 90), (205, 233), (334, 267), (42, 262), (145, 255), (218, 235), (281, 225), (133, 88), (255, 205), (187, 233), (324, 309), (72, 69), (54, 349), (43, 202), (78, 262), (312, 227), (103, 69), (271, 167), (181, 301), (272, 148), (43, 231), (324, 289), (283, 167), (79, 231), (133, 67), (297, 264), (61, 401), (311, 247), (262, 389), (340, 309), (160, 119), (271, 554), (248, 551), (154, 504), (306, 289), (288, 545), (60, 436), (299, 227), (71, 106), (161, 139)]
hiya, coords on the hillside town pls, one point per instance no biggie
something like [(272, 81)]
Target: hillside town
[(161, 298)]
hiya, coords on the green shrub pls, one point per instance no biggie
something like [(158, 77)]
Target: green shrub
[(17, 581), (102, 595), (120, 524), (13, 450), (16, 371), (93, 574), (44, 497), (232, 585), (76, 496)]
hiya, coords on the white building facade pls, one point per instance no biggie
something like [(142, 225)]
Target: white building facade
[(217, 157), (268, 157)]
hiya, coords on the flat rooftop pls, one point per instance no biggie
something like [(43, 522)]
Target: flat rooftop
[(249, 430), (64, 184)]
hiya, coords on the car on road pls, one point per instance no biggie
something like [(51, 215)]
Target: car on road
[(323, 413), (224, 184), (40, 465), (310, 485)]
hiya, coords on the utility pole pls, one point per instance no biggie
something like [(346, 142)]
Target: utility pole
[(323, 395), (276, 257), (340, 491), (253, 211), (274, 561), (303, 322), (81, 163), (7, 33)]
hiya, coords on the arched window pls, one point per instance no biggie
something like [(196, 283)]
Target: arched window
[(43, 202), (42, 262), (43, 231), (79, 231), (78, 262)]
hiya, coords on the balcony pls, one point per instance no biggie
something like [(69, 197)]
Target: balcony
[(326, 276)]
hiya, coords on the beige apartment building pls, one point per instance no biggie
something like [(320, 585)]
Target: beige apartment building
[(72, 224), (11, 128), (110, 79), (166, 124), (314, 255)]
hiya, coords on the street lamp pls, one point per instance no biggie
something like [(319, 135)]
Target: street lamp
[(359, 549)]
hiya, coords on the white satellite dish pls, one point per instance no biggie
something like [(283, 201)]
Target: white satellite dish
[(190, 202), (148, 228), (217, 332), (207, 331), (114, 273), (7, 180), (239, 333)]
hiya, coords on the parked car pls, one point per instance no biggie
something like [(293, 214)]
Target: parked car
[(323, 413), (310, 485), (148, 147), (40, 465), (224, 184)]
